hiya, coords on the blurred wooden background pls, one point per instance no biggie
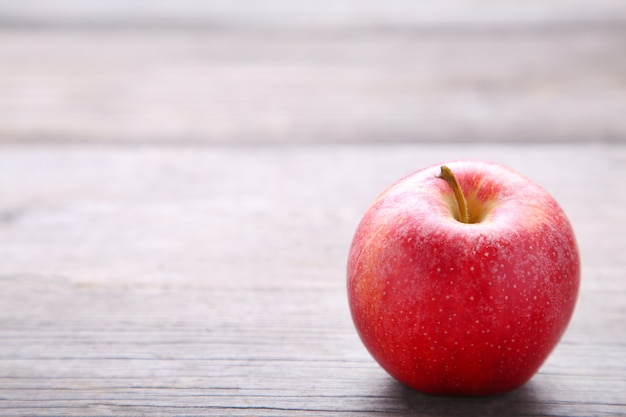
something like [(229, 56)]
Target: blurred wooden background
[(279, 71), (140, 277)]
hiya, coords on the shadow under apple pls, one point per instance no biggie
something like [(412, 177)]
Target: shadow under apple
[(524, 401)]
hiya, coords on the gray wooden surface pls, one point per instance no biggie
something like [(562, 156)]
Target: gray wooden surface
[(300, 14), (210, 280), (309, 72), (180, 181)]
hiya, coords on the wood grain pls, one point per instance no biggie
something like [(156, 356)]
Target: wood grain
[(519, 83), (205, 280), (180, 181), (319, 15)]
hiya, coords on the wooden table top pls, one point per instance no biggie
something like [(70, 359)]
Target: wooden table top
[(200, 280), (177, 203)]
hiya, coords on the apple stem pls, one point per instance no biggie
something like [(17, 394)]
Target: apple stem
[(448, 176)]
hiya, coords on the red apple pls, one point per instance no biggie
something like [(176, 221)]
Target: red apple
[(463, 306)]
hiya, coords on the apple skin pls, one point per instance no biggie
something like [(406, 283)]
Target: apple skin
[(450, 308)]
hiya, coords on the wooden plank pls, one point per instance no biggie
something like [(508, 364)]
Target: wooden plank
[(210, 280), (319, 15), (248, 87)]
